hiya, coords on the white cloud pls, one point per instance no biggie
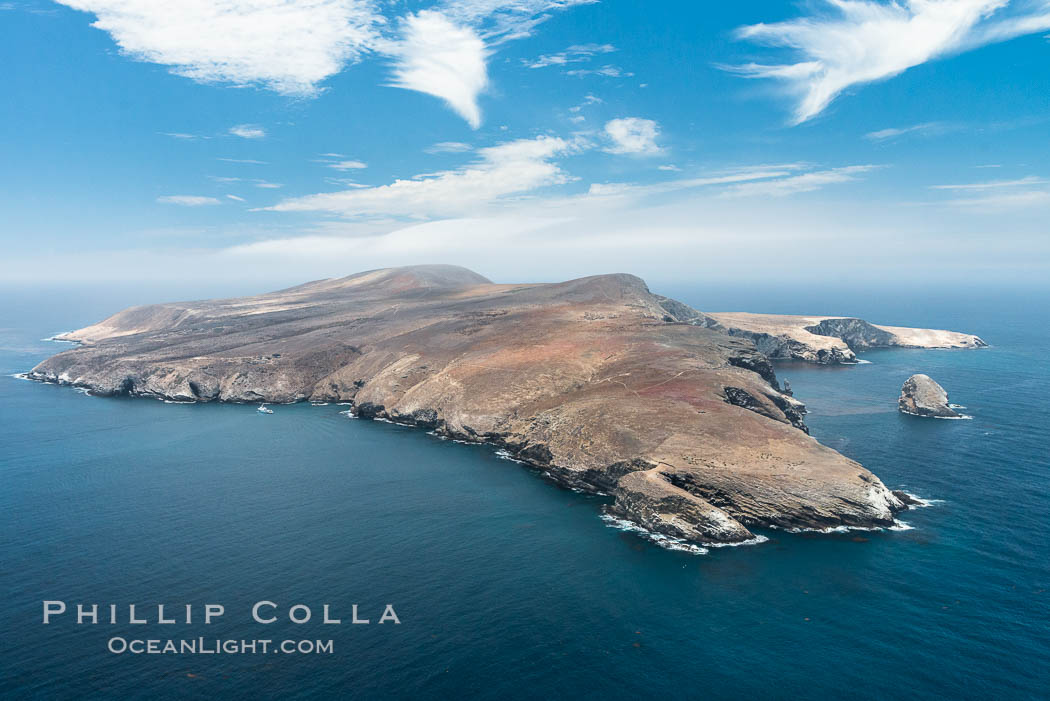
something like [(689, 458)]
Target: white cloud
[(289, 46), (588, 99), (188, 200), (630, 195), (998, 201), (449, 147), (235, 198), (573, 54), (248, 161), (926, 128), (445, 60), (504, 20), (860, 41), (609, 71), (292, 46), (632, 135), (806, 182), (443, 51), (993, 184), (508, 169), (248, 131), (997, 195), (348, 165), (268, 186), (180, 135)]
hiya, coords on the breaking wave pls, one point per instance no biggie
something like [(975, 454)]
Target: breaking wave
[(664, 541)]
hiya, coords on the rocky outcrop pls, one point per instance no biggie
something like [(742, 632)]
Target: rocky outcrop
[(921, 396), (830, 340), (601, 384)]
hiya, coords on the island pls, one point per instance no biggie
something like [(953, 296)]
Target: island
[(599, 383), (829, 340), (922, 396)]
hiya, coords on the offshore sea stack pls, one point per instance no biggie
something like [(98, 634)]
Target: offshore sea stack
[(598, 382), (921, 396)]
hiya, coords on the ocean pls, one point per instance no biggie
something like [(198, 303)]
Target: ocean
[(505, 585)]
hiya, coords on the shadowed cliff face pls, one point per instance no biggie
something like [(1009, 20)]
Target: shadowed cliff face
[(597, 381)]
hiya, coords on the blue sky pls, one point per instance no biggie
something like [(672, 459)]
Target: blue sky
[(282, 140)]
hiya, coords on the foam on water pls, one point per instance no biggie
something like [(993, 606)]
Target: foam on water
[(897, 526), (54, 338), (922, 503), (664, 541), (502, 453), (757, 540)]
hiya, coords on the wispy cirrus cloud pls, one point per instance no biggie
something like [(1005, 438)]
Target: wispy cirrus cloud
[(508, 169), (348, 165), (188, 200), (1002, 200), (444, 51), (449, 147), (994, 184), (443, 59), (609, 71), (924, 129), (246, 161), (805, 182), (504, 20), (248, 131), (997, 195), (522, 176), (574, 54), (853, 42)]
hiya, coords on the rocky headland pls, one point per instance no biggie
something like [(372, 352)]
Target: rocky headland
[(829, 340), (603, 385), (921, 396)]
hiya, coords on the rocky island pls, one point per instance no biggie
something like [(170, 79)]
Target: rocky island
[(830, 340), (921, 396), (601, 384)]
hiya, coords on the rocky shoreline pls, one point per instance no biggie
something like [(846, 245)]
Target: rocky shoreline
[(831, 340), (602, 385)]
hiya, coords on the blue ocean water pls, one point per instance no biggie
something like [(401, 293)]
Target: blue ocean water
[(508, 587)]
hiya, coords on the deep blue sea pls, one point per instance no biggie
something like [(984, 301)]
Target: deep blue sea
[(506, 586)]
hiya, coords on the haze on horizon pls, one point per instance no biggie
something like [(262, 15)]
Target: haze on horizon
[(277, 141)]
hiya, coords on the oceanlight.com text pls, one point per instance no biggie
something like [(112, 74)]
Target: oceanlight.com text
[(213, 646)]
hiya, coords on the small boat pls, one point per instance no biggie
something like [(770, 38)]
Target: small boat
[(263, 410)]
